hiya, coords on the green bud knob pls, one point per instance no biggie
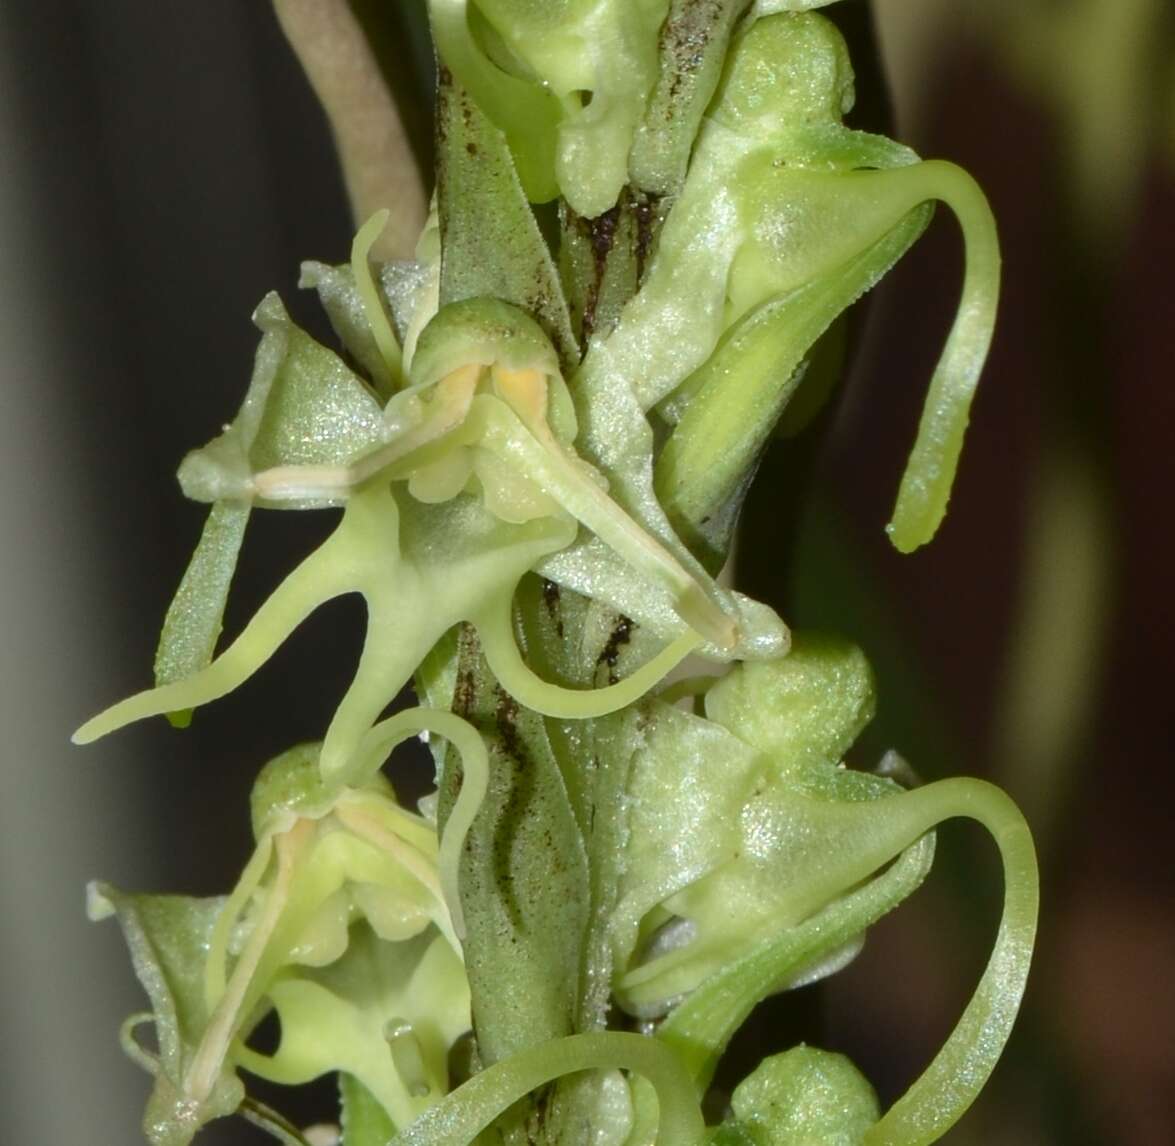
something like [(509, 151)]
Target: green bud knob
[(482, 332), (288, 787), (805, 1097), (808, 706), (789, 71)]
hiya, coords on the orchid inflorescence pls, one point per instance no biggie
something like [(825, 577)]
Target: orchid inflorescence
[(540, 459)]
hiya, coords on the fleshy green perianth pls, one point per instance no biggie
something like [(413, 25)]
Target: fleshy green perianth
[(786, 210), (567, 85)]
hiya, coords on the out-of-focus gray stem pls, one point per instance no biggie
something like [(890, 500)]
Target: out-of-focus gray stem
[(379, 168)]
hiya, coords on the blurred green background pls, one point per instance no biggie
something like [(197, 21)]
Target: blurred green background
[(163, 164)]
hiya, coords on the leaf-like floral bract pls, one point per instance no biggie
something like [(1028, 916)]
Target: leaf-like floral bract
[(167, 936)]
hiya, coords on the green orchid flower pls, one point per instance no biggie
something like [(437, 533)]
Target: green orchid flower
[(486, 412), (536, 501), (763, 873), (340, 923), (566, 81), (786, 217)]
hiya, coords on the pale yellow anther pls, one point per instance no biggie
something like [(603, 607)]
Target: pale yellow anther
[(525, 391), (457, 387)]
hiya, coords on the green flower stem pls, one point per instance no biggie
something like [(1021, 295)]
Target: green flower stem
[(377, 162), (459, 1118)]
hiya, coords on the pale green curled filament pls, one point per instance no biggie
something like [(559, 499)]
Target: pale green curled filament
[(949, 1085), (496, 631), (130, 1044), (926, 483), (475, 769), (318, 579), (377, 319), (458, 1119)]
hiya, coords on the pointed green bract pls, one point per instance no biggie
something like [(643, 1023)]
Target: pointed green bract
[(167, 936), (694, 42), (526, 113), (522, 874), (491, 242)]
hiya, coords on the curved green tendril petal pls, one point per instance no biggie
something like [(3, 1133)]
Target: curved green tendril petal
[(954, 1078), (318, 579), (460, 1117), (131, 1046), (926, 483), (377, 319), (475, 765), (531, 691)]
